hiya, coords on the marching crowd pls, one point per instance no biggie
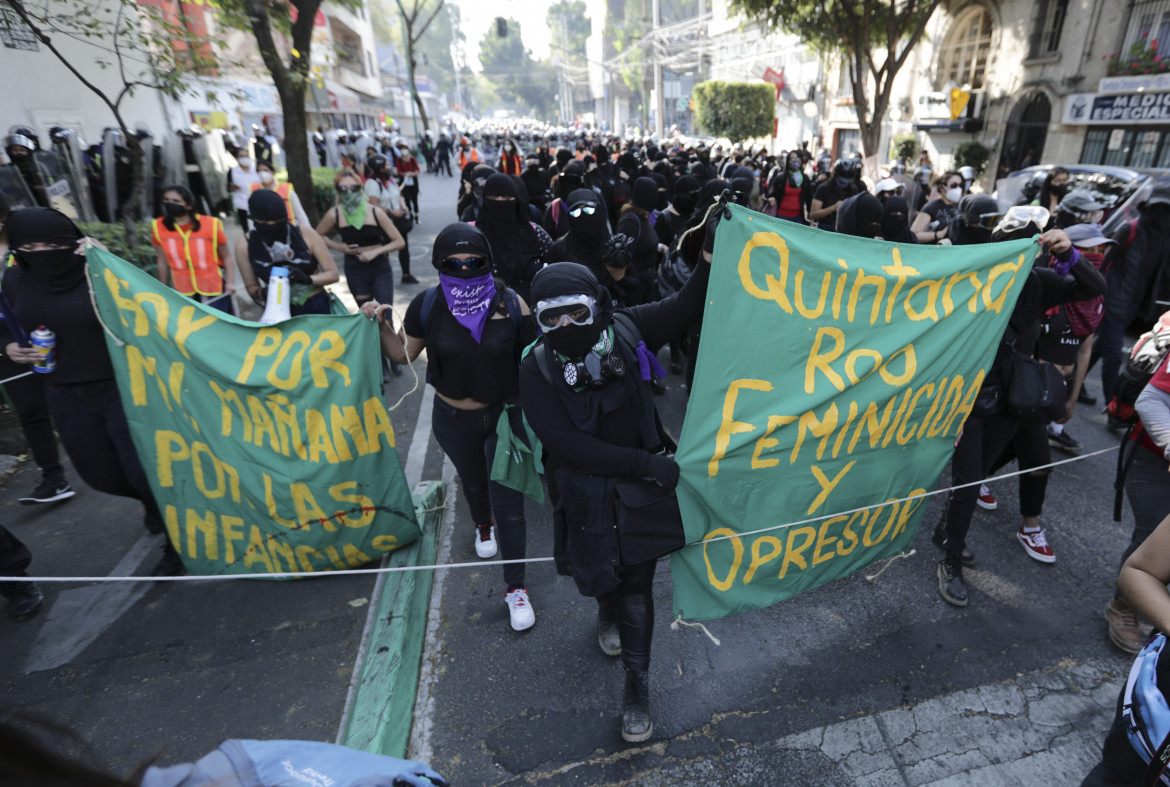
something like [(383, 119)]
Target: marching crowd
[(594, 254)]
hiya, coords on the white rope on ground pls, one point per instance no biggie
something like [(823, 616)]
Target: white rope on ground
[(481, 563), (695, 624), (890, 562)]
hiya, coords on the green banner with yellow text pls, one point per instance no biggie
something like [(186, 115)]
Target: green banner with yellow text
[(269, 448), (834, 373)]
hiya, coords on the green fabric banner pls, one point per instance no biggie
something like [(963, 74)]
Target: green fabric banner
[(268, 448), (834, 373)]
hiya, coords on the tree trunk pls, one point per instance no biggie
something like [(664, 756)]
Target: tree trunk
[(296, 150), (422, 112), (132, 209)]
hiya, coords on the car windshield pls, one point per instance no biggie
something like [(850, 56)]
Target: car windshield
[(1107, 188)]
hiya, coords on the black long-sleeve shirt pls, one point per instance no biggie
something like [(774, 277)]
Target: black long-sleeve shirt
[(616, 449)]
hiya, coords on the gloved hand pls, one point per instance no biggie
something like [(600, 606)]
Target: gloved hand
[(618, 251), (663, 469), (298, 276), (417, 775), (713, 218)]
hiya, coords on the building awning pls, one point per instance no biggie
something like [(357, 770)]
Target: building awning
[(961, 126), (332, 96)]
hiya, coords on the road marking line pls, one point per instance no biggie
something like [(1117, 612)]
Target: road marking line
[(416, 457), (424, 703), (79, 615)]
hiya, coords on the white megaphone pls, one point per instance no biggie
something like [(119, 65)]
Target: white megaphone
[(276, 309)]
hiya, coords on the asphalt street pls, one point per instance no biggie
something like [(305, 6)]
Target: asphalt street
[(859, 682)]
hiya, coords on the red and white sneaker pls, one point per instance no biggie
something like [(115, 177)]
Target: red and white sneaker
[(986, 501), (520, 609), (485, 540), (1036, 545)]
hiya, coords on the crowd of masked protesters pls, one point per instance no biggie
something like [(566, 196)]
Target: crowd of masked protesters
[(593, 252)]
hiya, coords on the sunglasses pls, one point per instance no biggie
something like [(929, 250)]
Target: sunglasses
[(469, 264), (348, 189), (580, 210)]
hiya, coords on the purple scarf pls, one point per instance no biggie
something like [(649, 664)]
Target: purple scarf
[(469, 300)]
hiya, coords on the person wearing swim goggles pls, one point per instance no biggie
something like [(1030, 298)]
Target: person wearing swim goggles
[(472, 327), (585, 389)]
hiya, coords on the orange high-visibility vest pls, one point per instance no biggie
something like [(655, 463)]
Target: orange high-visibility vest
[(283, 189), (193, 256), (465, 159)]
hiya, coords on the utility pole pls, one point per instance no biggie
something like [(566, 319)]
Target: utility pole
[(659, 102), (456, 55)]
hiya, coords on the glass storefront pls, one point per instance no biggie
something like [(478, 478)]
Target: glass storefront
[(1140, 147)]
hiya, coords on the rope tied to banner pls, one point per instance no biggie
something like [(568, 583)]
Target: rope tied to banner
[(483, 563)]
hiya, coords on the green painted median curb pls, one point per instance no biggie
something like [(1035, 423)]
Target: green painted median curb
[(383, 699)]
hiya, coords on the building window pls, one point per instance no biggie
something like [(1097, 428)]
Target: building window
[(1049, 24), (1150, 19), (963, 56), (1128, 146)]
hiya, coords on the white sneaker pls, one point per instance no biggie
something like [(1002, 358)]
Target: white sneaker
[(485, 540), (520, 610)]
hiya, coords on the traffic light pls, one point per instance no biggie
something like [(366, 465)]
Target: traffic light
[(501, 27)]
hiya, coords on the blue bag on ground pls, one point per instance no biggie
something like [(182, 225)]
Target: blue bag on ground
[(247, 763)]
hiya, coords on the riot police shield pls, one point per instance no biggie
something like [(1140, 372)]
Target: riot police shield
[(360, 144), (207, 171), (16, 191), (67, 145), (111, 141), (332, 150), (54, 176), (174, 160)]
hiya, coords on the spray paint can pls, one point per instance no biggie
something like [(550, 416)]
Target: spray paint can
[(44, 341)]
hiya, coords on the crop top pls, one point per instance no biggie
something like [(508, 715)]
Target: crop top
[(487, 372), (365, 236)]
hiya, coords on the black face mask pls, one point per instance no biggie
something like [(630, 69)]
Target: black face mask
[(174, 210), (499, 210), (50, 264), (573, 340), (1060, 191), (273, 233), (663, 199), (684, 202)]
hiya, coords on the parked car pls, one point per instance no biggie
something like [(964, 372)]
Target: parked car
[(1121, 190)]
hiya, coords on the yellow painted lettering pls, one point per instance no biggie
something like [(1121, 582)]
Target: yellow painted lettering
[(737, 558), (729, 426), (760, 558)]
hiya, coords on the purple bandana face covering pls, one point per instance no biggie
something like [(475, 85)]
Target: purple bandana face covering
[(469, 300)]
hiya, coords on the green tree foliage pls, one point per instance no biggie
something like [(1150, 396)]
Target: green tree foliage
[(904, 147), (735, 110), (433, 50), (874, 39), (521, 82), (972, 154), (577, 26)]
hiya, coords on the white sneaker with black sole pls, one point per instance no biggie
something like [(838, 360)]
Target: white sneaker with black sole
[(48, 492), (520, 609), (485, 540)]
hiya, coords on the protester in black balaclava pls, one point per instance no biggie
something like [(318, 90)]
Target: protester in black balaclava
[(472, 333), (479, 179), (588, 230), (742, 183), (274, 242), (861, 216), (48, 287), (518, 247), (635, 223), (896, 221), (600, 430), (555, 220), (536, 181), (977, 215), (564, 157), (466, 199)]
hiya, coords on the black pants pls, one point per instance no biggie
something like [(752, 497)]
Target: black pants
[(97, 438), (28, 398), (373, 279), (14, 561), (242, 216), (984, 438), (468, 437), (632, 603), (444, 163), (410, 197), (1029, 447)]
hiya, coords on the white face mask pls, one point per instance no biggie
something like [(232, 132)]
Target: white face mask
[(954, 195), (266, 177)]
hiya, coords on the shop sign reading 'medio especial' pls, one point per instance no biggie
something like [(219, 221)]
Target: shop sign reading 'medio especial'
[(1121, 100)]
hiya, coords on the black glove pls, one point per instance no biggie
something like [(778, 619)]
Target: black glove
[(618, 251), (662, 469), (298, 276), (713, 218)]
